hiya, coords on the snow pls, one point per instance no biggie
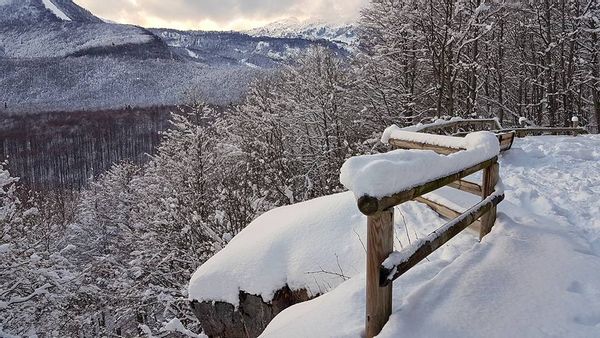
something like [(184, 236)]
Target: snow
[(5, 248), (281, 247), (55, 10), (191, 53), (342, 31), (377, 175), (442, 122), (535, 275), (395, 132), (522, 120), (398, 257), (175, 325), (304, 246)]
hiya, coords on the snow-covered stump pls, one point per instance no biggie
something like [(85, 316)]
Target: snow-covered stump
[(249, 318)]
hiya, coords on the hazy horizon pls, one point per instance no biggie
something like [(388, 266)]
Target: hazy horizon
[(224, 15)]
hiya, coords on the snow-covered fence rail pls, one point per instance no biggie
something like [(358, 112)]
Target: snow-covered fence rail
[(462, 127), (459, 126), (532, 131), (455, 127), (381, 182)]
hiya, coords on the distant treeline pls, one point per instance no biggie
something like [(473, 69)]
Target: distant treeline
[(64, 149)]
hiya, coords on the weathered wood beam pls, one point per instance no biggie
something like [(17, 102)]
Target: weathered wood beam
[(402, 144), (467, 186), (369, 205), (445, 211), (441, 209), (491, 175), (523, 132), (438, 238), (380, 243)]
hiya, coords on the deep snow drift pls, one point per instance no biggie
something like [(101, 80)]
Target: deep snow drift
[(536, 275)]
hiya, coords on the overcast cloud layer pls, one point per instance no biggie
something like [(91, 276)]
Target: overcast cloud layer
[(220, 14)]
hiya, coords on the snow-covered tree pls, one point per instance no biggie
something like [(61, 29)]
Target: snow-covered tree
[(297, 127), (508, 59), (37, 280)]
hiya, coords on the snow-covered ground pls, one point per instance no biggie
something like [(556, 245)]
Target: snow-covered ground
[(536, 275)]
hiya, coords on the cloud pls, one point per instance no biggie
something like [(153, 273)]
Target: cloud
[(220, 14)]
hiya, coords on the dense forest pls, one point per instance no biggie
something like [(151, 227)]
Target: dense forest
[(62, 150), (116, 259)]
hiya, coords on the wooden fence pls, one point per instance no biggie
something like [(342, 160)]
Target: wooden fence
[(464, 127), (384, 265)]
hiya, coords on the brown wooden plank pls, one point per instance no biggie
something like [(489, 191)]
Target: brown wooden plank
[(440, 239), (523, 132), (380, 243), (490, 179), (369, 205), (402, 144), (445, 211), (466, 186)]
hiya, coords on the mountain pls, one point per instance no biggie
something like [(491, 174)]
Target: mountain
[(36, 11), (60, 28), (342, 33), (57, 56), (233, 48)]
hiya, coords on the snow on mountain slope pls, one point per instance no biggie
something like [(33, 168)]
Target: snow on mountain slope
[(58, 28), (43, 11), (309, 29), (59, 13), (233, 48), (52, 40), (535, 275)]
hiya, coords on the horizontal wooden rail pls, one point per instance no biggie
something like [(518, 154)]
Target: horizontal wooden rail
[(451, 127), (467, 186), (444, 211), (522, 132), (369, 205), (436, 239), (403, 144)]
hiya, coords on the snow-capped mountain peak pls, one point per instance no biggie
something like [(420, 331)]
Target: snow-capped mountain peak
[(313, 29), (44, 11), (55, 10)]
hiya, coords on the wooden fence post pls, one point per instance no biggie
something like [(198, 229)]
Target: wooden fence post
[(380, 243), (490, 178)]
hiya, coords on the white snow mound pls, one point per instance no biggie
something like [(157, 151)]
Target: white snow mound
[(305, 246), (384, 174)]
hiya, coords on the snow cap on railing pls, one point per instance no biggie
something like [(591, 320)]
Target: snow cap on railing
[(385, 174)]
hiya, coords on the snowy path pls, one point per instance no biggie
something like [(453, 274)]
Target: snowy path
[(536, 275)]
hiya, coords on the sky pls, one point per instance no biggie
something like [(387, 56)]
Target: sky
[(220, 14)]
